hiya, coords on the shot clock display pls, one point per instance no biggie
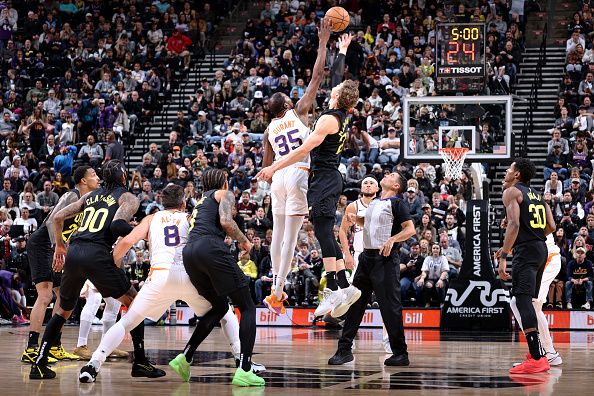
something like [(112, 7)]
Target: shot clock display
[(461, 57)]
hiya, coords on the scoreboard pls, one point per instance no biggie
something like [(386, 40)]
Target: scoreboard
[(460, 57)]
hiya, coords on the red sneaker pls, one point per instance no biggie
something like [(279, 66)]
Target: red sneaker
[(531, 366)]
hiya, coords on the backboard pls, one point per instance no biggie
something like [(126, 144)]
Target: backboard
[(483, 124)]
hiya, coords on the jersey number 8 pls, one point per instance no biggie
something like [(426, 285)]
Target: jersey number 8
[(171, 235)]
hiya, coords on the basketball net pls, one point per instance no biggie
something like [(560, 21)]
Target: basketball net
[(453, 160)]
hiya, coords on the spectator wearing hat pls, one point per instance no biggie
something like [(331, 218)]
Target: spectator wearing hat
[(355, 173), (182, 124), (190, 148), (584, 121), (234, 137), (17, 166), (389, 148), (413, 204), (257, 193), (556, 162), (178, 46), (177, 158), (239, 182), (202, 127), (183, 176), (579, 275)]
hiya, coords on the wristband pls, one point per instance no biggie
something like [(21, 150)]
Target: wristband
[(503, 256)]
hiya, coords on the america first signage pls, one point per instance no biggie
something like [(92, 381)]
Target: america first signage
[(476, 300)]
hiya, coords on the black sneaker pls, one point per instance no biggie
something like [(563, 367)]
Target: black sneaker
[(341, 356), (397, 360), (41, 371), (87, 374), (146, 369)]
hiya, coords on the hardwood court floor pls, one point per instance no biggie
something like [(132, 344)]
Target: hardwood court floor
[(296, 361)]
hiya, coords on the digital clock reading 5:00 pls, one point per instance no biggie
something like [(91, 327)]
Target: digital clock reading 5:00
[(461, 45)]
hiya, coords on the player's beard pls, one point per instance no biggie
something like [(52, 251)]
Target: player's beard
[(368, 194)]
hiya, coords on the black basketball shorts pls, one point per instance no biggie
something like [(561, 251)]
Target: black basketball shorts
[(325, 187), (212, 269), (41, 254), (93, 262), (527, 266)]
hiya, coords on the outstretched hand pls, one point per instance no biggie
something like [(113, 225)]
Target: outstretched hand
[(265, 174), (324, 31), (344, 41)]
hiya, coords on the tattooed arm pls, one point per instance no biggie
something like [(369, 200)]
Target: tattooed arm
[(64, 201), (129, 204), (58, 223), (226, 203)]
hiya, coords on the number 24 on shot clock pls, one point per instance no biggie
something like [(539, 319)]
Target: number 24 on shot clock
[(461, 50)]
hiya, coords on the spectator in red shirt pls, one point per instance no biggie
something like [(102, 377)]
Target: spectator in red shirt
[(177, 45)]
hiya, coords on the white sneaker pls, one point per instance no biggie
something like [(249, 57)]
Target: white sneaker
[(569, 306), (332, 299), (586, 305), (256, 367), (350, 295), (554, 359), (387, 347), (5, 322)]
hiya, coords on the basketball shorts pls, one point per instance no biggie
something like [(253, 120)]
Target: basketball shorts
[(93, 262), (162, 288), (527, 265), (289, 191), (212, 269), (41, 255), (548, 274), (325, 187)]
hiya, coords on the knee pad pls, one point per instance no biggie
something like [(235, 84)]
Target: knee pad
[(112, 308), (324, 232)]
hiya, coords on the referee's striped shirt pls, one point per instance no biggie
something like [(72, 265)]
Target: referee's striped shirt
[(383, 219)]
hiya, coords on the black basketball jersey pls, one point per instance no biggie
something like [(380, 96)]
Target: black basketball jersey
[(533, 217), (327, 154), (98, 212), (205, 221), (70, 225)]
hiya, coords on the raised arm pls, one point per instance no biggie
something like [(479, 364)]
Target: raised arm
[(304, 104), (226, 203), (138, 233), (337, 72)]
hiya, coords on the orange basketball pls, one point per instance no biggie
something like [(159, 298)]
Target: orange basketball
[(339, 18)]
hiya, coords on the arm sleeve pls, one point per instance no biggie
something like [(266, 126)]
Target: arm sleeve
[(337, 70)]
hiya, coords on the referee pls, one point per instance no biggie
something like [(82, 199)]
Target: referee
[(386, 223)]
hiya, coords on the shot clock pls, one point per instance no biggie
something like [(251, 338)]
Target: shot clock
[(461, 57)]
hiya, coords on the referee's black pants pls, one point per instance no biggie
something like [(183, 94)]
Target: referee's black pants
[(379, 274)]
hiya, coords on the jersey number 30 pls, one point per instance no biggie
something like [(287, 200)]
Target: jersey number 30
[(539, 216), (283, 142)]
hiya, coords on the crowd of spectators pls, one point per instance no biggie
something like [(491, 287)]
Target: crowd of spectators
[(568, 169), (80, 79)]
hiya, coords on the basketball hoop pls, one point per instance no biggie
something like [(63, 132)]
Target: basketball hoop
[(453, 160)]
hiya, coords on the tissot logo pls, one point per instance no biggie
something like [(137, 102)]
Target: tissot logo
[(463, 70), (488, 298)]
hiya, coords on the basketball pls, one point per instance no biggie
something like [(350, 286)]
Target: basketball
[(339, 18)]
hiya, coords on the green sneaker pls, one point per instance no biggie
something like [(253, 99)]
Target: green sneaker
[(181, 366), (247, 378)]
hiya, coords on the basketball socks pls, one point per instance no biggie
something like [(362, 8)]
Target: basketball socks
[(331, 280), (83, 332), (110, 313), (59, 339), (230, 327), (543, 331), (206, 324), (50, 336), (137, 334), (534, 345), (33, 340), (341, 279)]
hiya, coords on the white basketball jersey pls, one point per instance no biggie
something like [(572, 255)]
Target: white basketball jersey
[(168, 235), (357, 229), (286, 134), (551, 245)]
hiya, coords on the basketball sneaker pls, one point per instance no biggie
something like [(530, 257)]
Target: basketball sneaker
[(30, 356), (350, 295), (397, 360), (586, 305), (181, 366), (247, 378), (146, 369), (332, 299), (119, 354), (569, 305), (531, 366), (341, 356), (59, 353), (256, 367), (41, 371), (19, 320), (83, 352), (554, 358), (275, 305), (88, 374)]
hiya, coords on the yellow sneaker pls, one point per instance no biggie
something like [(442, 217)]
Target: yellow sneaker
[(30, 355), (83, 352), (119, 354), (275, 305), (58, 352)]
